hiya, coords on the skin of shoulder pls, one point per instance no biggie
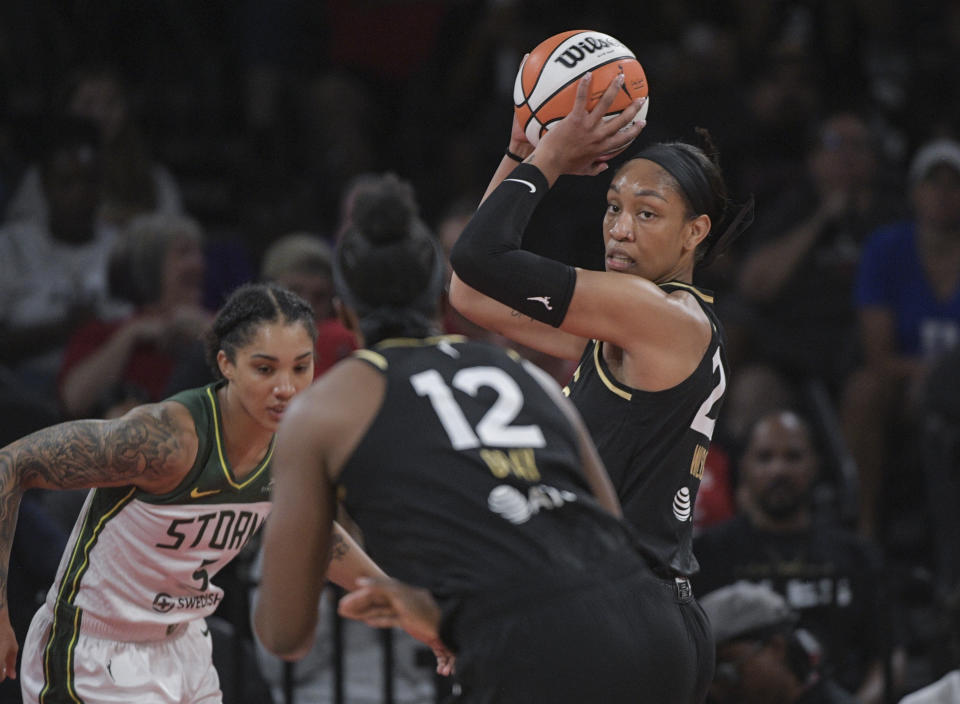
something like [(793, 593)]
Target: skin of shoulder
[(665, 334), (331, 417)]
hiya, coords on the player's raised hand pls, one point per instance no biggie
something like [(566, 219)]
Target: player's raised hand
[(583, 141)]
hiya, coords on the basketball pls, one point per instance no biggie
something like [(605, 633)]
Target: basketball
[(546, 84)]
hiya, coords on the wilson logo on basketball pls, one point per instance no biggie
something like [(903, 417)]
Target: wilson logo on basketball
[(545, 88), (579, 51)]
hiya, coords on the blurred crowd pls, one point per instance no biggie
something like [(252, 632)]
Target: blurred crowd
[(154, 155)]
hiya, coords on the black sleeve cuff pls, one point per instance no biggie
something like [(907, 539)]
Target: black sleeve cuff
[(488, 256)]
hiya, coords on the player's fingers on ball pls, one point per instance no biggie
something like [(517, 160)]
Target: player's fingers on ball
[(609, 95), (629, 116), (583, 92)]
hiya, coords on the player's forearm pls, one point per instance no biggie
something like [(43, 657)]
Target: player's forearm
[(348, 561), (10, 494), (489, 256)]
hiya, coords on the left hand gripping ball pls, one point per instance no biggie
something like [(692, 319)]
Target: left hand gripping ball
[(546, 84)]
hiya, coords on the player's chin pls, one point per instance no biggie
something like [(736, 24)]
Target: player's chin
[(272, 418)]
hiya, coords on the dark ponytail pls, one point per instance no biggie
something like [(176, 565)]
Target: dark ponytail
[(696, 171)]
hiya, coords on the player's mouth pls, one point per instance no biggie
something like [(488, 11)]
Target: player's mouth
[(618, 261)]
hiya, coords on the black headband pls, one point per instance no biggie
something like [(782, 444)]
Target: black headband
[(692, 180), (688, 172)]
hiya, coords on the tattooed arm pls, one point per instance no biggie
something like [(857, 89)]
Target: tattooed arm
[(348, 561), (152, 447)]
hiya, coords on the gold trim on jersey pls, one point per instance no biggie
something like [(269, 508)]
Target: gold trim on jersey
[(419, 341), (375, 358), (380, 362), (691, 288), (622, 393), (222, 456)]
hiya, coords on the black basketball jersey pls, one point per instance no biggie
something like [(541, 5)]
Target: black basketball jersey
[(654, 443), (468, 479)]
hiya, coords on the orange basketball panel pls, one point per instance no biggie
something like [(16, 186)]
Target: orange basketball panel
[(634, 84), (559, 105), (533, 66)]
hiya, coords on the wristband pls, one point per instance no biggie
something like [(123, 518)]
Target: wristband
[(510, 155)]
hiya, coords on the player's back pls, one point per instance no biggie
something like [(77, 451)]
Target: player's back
[(469, 480)]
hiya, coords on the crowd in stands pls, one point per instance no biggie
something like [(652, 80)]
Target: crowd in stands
[(153, 156)]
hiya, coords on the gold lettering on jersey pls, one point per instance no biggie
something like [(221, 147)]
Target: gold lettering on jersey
[(699, 459), (520, 462)]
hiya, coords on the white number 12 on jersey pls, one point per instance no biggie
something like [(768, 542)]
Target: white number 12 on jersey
[(494, 429)]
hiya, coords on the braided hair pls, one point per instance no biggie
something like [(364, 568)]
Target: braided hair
[(247, 308)]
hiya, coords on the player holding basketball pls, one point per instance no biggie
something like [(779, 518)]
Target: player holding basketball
[(472, 478), (651, 372), (179, 487)]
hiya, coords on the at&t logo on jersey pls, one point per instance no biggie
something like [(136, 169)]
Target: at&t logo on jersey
[(511, 504), (682, 505)]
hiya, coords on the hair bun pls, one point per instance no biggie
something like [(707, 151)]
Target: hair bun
[(385, 211)]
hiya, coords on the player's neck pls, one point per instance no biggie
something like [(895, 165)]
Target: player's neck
[(245, 441)]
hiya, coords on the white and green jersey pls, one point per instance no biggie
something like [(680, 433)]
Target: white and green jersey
[(138, 565)]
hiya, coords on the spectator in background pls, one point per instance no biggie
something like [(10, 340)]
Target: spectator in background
[(792, 320), (53, 270), (111, 365), (762, 658), (833, 578), (300, 261), (132, 182), (908, 306)]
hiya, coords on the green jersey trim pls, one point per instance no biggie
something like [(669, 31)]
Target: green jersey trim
[(221, 455), (66, 619)]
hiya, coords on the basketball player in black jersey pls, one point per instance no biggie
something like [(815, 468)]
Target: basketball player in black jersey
[(651, 374), (471, 478)]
